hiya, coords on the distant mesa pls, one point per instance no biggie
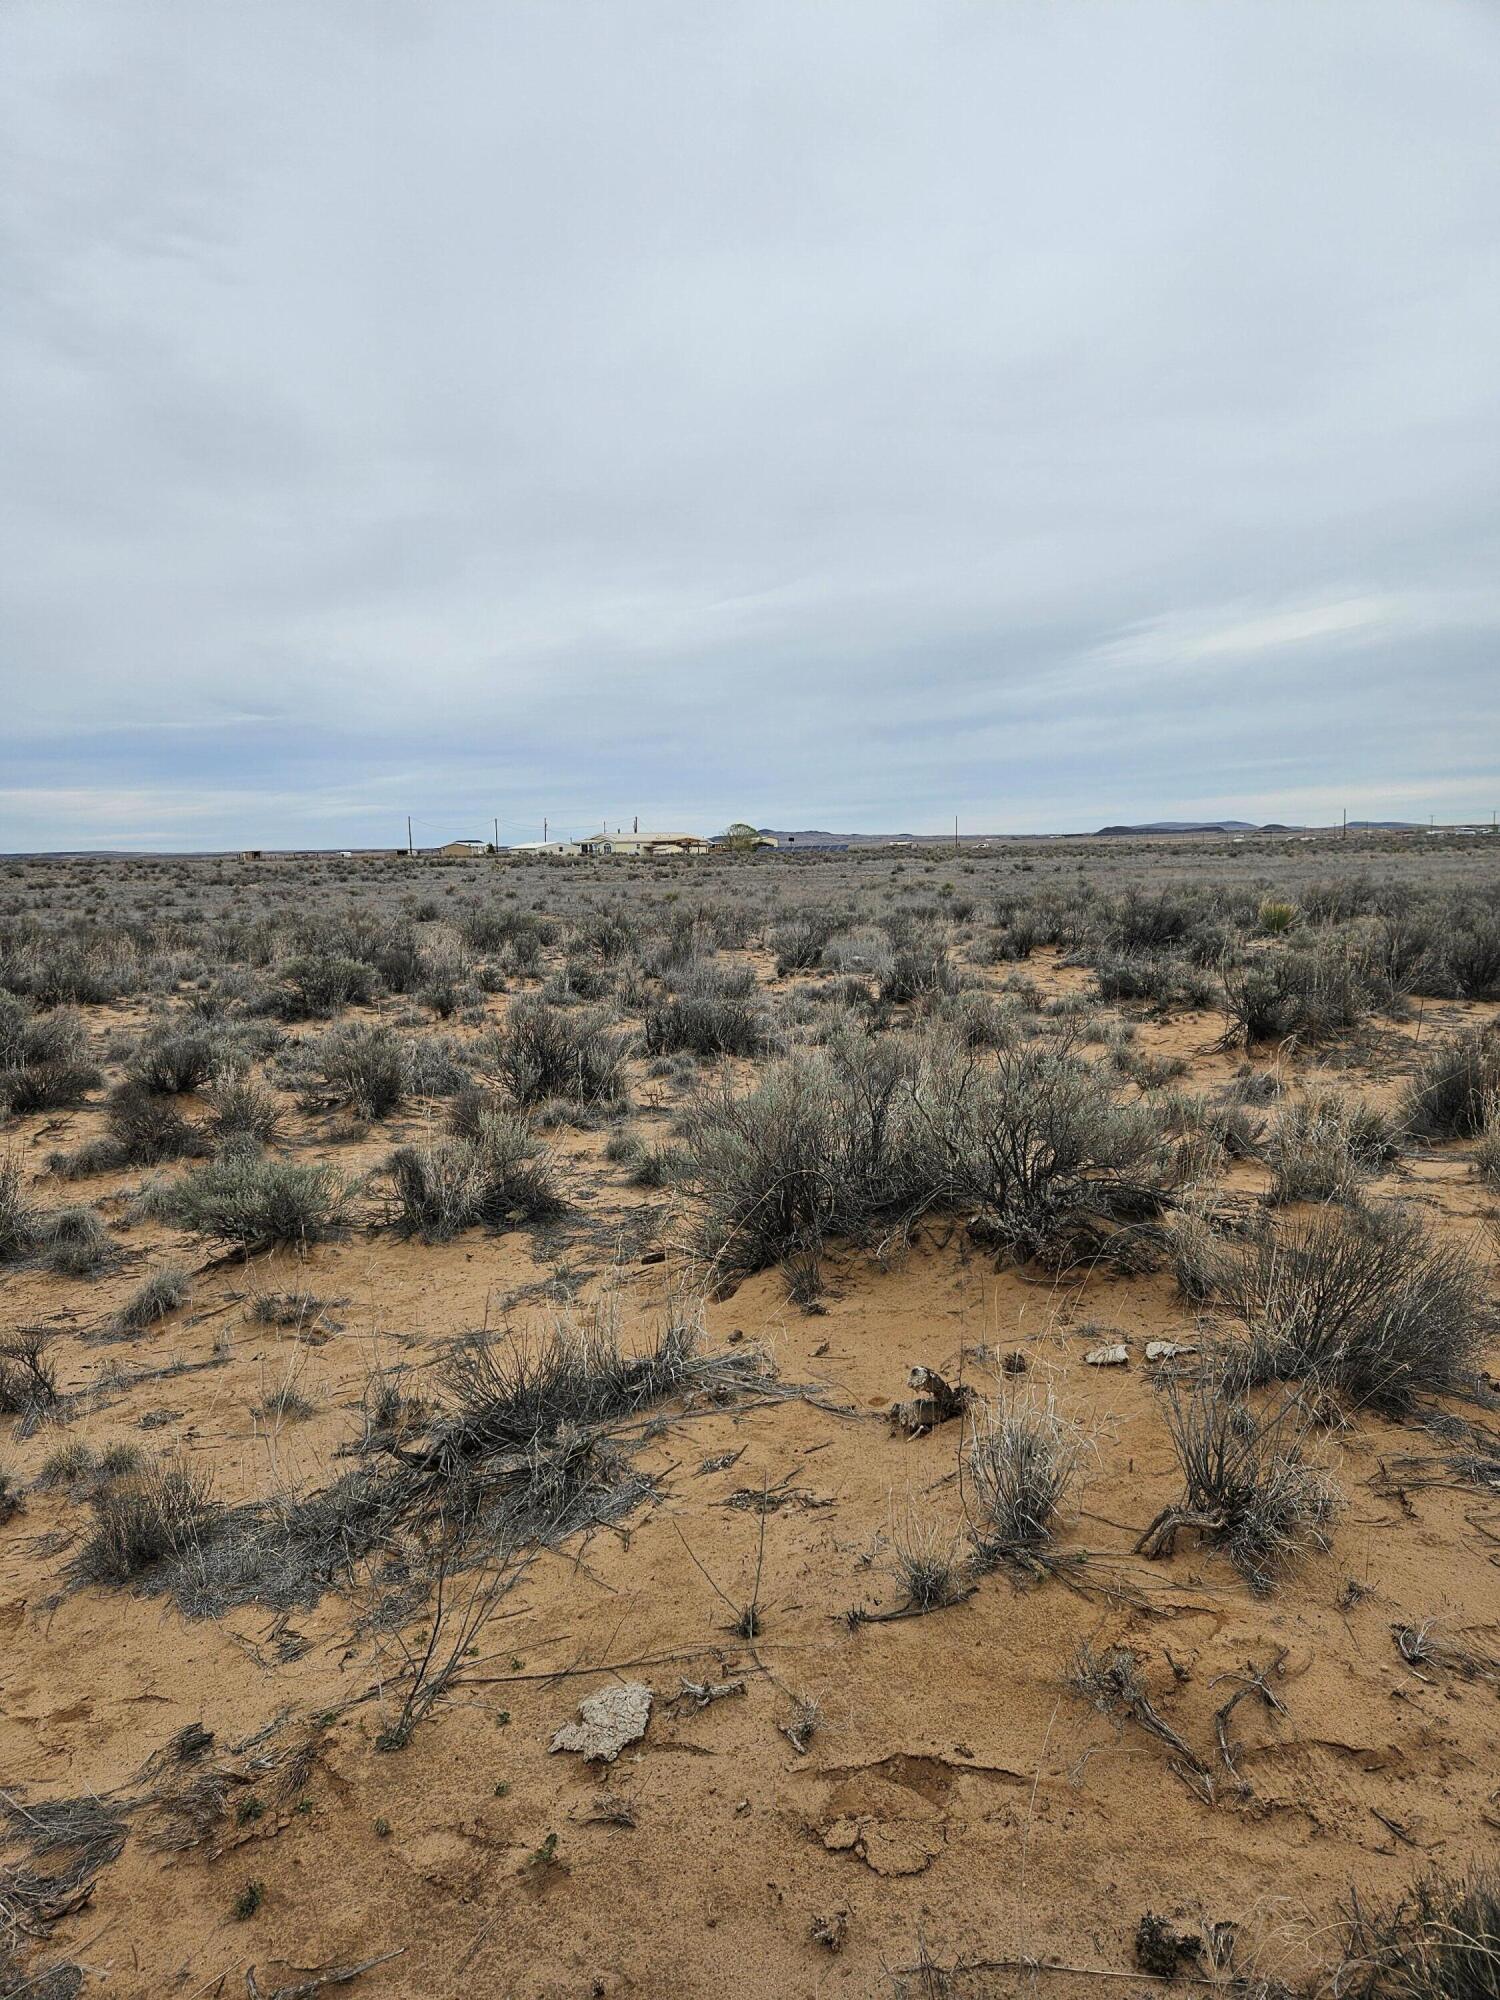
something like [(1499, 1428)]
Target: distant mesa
[(1193, 826)]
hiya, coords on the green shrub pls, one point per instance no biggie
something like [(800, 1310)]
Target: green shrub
[(256, 1202)]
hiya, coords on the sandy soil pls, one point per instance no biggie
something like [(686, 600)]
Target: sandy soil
[(952, 1795)]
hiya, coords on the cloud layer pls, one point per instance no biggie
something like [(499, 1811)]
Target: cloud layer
[(851, 414)]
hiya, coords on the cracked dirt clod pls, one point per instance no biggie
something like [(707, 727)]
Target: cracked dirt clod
[(607, 1722), (1114, 1356), (1168, 1350)]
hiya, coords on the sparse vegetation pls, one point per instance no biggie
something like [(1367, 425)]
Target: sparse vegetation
[(501, 1175), (1364, 1300), (1249, 1485), (255, 1203), (964, 1060)]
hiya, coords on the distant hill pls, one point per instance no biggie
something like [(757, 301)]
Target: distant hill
[(1191, 826)]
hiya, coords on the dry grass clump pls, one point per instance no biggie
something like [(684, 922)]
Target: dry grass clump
[(74, 1243), (243, 1113), (45, 1064), (166, 1511), (1323, 1145), (79, 1469), (711, 1012), (28, 1379), (501, 1174), (362, 1066), (529, 1441), (545, 1052), (253, 1202), (1451, 1091), (1487, 1152), (1440, 1941), (925, 1558), (1022, 1458), (1249, 1486), (1307, 993), (1364, 1299), (18, 1221)]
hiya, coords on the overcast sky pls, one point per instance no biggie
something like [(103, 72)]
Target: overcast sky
[(835, 413)]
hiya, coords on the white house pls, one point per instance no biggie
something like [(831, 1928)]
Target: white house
[(645, 843)]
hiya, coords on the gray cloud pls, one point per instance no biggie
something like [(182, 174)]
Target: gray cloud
[(851, 414)]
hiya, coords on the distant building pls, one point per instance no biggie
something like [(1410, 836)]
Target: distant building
[(547, 847), (461, 847), (651, 844)]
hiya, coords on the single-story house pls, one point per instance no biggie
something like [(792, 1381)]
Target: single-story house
[(461, 847), (546, 847), (645, 843)]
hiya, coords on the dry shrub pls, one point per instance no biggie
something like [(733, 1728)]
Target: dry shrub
[(1364, 1299), (711, 1012), (1250, 1487), (1022, 1459), (166, 1511), (254, 1202), (1448, 1096), (502, 1174), (18, 1222), (28, 1380), (145, 1128), (545, 1052), (1324, 1145), (362, 1066), (1310, 994), (244, 1112), (45, 1063)]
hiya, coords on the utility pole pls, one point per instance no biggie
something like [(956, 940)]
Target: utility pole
[(497, 833), (1346, 823), (408, 836), (635, 824), (544, 829), (955, 833)]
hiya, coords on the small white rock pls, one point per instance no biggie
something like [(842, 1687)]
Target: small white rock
[(1168, 1350), (1108, 1357), (607, 1722)]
